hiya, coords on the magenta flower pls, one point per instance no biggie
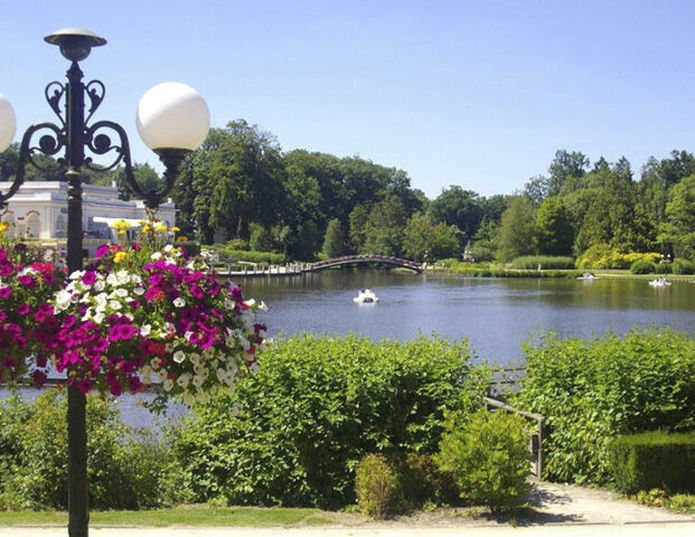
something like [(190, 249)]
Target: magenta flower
[(102, 250), (89, 277)]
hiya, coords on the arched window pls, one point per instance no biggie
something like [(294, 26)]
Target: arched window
[(61, 227), (33, 226)]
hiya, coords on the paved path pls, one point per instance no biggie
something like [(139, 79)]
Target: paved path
[(564, 511)]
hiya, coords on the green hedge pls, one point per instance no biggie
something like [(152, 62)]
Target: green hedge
[(294, 433), (591, 390), (532, 262), (654, 459), (251, 256)]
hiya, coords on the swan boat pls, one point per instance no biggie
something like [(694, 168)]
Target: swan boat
[(366, 296)]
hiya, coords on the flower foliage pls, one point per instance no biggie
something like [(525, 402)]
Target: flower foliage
[(133, 317), (27, 323)]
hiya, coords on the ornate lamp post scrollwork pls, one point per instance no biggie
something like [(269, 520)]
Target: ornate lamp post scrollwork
[(172, 119)]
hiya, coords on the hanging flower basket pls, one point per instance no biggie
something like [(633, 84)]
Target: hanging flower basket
[(134, 317)]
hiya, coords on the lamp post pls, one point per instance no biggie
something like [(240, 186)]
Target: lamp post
[(172, 119)]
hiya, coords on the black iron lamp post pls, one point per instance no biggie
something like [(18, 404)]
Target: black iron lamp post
[(172, 119)]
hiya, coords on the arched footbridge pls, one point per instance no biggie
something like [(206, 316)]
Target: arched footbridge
[(365, 260)]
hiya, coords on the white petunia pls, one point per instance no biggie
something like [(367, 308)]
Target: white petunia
[(179, 302), (145, 330), (115, 305), (168, 384), (63, 300), (99, 286), (179, 356)]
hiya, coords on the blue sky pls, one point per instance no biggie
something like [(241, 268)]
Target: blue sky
[(475, 93)]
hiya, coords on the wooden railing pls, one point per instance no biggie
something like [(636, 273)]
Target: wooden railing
[(535, 433)]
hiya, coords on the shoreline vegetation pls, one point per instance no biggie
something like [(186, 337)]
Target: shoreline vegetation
[(296, 434)]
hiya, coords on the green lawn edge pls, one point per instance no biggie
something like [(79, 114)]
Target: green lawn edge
[(193, 515)]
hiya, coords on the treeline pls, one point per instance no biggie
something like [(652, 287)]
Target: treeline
[(240, 188)]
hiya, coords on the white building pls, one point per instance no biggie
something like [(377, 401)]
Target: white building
[(39, 211)]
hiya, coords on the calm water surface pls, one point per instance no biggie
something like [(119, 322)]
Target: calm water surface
[(496, 315)]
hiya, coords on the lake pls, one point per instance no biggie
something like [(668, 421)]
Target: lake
[(495, 314)]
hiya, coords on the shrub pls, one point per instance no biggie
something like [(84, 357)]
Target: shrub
[(642, 267), (125, 470), (546, 262), (251, 256), (488, 458), (294, 433), (376, 486), (601, 256), (422, 482), (590, 390), (683, 266), (663, 268), (653, 459)]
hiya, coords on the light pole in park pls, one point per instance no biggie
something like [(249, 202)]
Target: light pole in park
[(172, 120)]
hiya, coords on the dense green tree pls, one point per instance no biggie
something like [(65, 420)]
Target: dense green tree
[(565, 165), (554, 228), (679, 230), (458, 207), (384, 227), (615, 219), (484, 243), (334, 240), (517, 230), (238, 179), (358, 227), (493, 207), (423, 240)]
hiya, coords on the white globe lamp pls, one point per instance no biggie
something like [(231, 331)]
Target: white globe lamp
[(173, 115)]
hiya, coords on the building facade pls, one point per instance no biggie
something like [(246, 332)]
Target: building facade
[(39, 212)]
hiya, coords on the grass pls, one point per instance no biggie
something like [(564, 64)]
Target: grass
[(190, 515)]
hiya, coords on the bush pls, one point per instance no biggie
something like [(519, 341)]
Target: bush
[(376, 486), (682, 266), (422, 482), (532, 262), (594, 389), (601, 256), (294, 433), (250, 256), (488, 458), (653, 459), (663, 268), (642, 267), (124, 470)]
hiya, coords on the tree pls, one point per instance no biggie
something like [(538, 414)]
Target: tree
[(517, 231), (238, 176), (334, 240), (565, 165), (554, 228), (680, 212), (423, 238), (537, 189), (458, 207), (358, 225), (614, 218), (384, 227)]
